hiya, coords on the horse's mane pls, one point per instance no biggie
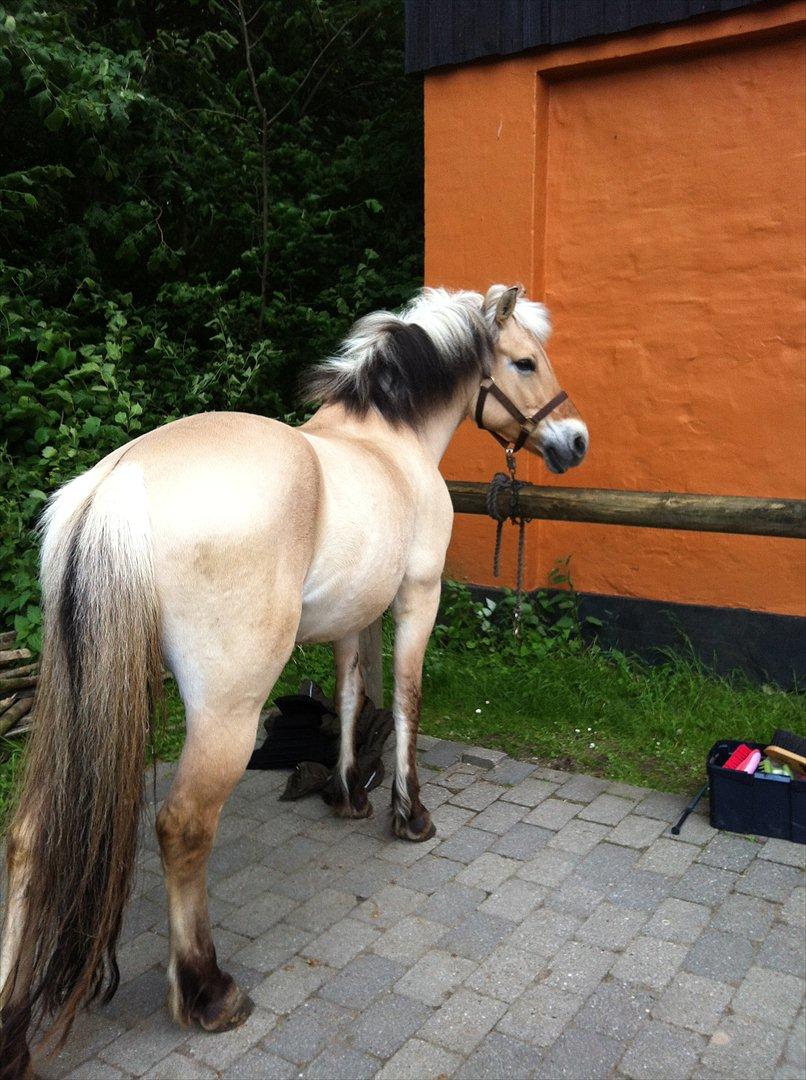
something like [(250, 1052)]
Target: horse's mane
[(407, 365)]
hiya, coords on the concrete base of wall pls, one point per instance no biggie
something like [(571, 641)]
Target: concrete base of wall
[(766, 647)]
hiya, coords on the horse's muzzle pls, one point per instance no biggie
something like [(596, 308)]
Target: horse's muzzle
[(563, 444)]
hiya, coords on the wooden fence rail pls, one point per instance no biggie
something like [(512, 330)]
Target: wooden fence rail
[(602, 506), (646, 509)]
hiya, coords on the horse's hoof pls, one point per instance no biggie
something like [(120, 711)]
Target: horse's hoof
[(355, 805), (418, 828), (230, 1012)]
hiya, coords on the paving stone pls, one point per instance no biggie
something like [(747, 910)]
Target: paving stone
[(388, 906), (362, 980), (476, 935), (582, 1054), (784, 950), (341, 942), (291, 984), (583, 789), (228, 1046), (678, 920), (636, 832), (669, 857), (174, 1067), (137, 998), (321, 910), (433, 796), (463, 1021), (142, 1046), (405, 854), (555, 776), (770, 996), (231, 856), (513, 900), (579, 836), (540, 1015), (662, 805), (628, 791), (458, 777), (743, 1048), (616, 1010), (640, 889), (578, 968), (260, 913), (606, 865), (444, 754), (704, 884), (552, 814), (273, 948), (90, 1034), (141, 953), (529, 792), (506, 972), (387, 1024), (366, 879), (575, 897), (544, 932), (341, 1063), (611, 926), (245, 885), (488, 871), (428, 874), (466, 844), (408, 939), (745, 916), (794, 910), (649, 962), (416, 1060), (549, 867), (448, 818), (510, 772), (796, 1043), (660, 1052), (95, 1070), (499, 817), (784, 851), (435, 976), (725, 957), (696, 829), (607, 809), (522, 841), (479, 795), (769, 880), (502, 1057), (730, 852), (484, 758), (694, 1002), (451, 902), (301, 1036)]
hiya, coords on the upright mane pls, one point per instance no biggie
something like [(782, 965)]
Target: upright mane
[(410, 364)]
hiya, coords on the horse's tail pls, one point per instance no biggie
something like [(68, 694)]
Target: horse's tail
[(74, 835)]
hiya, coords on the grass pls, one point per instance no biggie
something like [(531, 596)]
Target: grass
[(551, 700)]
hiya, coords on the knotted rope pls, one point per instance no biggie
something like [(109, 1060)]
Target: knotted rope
[(506, 482)]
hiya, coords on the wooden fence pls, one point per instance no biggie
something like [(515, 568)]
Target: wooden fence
[(645, 509)]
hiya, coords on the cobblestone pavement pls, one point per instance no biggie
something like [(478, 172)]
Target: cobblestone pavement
[(553, 928)]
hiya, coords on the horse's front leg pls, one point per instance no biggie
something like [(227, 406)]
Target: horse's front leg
[(352, 801), (415, 609)]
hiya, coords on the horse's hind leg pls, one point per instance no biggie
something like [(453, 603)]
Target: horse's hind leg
[(353, 801), (221, 727), (215, 755)]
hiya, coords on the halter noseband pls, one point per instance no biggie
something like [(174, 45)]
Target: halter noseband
[(527, 423)]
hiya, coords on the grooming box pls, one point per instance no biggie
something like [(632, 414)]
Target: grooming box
[(753, 803)]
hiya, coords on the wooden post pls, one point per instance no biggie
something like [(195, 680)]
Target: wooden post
[(647, 509), (371, 660)]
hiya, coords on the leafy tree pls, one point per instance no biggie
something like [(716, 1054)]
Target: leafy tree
[(196, 199)]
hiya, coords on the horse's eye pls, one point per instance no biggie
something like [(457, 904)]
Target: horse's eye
[(525, 365)]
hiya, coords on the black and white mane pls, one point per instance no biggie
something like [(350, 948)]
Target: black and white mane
[(410, 364)]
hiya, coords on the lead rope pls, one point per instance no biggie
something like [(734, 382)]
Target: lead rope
[(500, 482)]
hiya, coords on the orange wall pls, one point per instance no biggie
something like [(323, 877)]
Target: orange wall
[(651, 188)]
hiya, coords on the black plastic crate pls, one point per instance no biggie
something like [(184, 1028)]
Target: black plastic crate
[(748, 803)]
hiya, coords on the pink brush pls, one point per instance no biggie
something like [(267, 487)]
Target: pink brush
[(743, 759)]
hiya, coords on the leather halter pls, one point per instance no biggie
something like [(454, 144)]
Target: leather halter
[(527, 423)]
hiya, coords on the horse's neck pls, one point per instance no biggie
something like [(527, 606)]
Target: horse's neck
[(432, 436)]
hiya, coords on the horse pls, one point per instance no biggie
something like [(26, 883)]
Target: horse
[(210, 547)]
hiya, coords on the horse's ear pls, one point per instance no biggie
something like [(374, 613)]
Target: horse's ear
[(506, 305)]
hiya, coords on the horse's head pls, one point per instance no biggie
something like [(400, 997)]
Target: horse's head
[(521, 402)]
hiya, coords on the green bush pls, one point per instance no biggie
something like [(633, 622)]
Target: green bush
[(142, 274)]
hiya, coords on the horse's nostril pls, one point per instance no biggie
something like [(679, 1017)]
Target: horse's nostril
[(580, 445)]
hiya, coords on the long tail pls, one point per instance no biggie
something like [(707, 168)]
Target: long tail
[(76, 825)]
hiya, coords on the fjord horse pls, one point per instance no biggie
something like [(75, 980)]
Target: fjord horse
[(212, 545)]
